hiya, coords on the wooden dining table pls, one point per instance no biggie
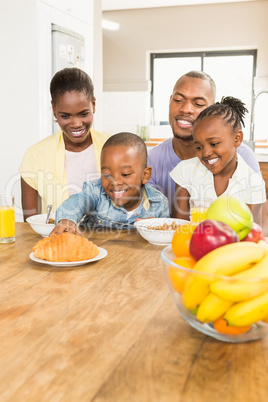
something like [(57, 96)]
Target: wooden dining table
[(110, 331)]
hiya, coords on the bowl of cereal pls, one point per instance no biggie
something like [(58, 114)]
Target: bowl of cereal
[(39, 225), (158, 231)]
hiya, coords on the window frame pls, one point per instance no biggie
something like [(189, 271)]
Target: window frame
[(202, 55)]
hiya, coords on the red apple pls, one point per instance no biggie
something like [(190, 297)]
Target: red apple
[(255, 235), (210, 234)]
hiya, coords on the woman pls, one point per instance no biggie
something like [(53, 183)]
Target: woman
[(57, 166)]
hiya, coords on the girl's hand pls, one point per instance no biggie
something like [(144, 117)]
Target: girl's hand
[(65, 226)]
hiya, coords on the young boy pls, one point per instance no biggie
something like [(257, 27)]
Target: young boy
[(218, 169), (121, 195)]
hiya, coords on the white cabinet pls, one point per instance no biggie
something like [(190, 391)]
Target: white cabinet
[(73, 15), (81, 9)]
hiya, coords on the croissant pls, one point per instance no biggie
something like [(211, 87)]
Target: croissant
[(65, 247)]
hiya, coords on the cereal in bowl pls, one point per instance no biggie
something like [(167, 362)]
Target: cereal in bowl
[(165, 226)]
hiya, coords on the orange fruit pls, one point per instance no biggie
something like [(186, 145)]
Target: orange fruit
[(221, 326), (265, 319), (178, 277), (181, 239)]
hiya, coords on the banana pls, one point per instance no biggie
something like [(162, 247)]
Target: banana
[(225, 260), (248, 312), (212, 308), (264, 245), (245, 285)]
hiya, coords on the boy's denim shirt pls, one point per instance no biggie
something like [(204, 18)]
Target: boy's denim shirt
[(101, 211)]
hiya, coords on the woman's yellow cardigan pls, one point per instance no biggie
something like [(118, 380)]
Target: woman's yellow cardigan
[(43, 167)]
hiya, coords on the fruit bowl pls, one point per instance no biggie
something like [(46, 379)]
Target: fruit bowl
[(227, 308), (39, 225), (149, 229)]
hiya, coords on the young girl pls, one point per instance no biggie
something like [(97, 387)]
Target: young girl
[(57, 166), (218, 169)]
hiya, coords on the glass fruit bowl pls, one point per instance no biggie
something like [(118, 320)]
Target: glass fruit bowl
[(228, 308)]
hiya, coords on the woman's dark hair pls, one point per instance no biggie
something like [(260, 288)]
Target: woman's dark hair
[(231, 110), (71, 79)]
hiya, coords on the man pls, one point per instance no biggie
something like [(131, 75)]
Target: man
[(192, 93)]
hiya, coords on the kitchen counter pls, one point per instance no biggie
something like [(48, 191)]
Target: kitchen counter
[(262, 157), (109, 331)]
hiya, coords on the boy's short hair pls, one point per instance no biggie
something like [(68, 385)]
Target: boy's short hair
[(128, 140)]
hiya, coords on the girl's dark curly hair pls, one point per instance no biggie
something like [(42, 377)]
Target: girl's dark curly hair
[(231, 110)]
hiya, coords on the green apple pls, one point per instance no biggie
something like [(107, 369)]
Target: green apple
[(233, 212)]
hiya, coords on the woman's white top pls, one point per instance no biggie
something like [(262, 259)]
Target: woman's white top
[(245, 184), (80, 167)]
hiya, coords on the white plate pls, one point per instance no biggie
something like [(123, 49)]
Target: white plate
[(101, 255)]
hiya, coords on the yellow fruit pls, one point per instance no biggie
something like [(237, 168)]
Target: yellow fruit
[(248, 312), (225, 260), (245, 285), (212, 308)]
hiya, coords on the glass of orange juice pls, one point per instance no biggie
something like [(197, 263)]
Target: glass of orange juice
[(7, 218), (198, 208)]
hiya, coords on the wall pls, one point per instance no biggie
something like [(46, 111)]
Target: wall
[(19, 88), (25, 71), (97, 65), (184, 28)]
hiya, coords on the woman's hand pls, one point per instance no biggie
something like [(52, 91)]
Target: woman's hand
[(65, 225)]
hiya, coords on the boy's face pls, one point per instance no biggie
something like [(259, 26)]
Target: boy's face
[(216, 144), (122, 174)]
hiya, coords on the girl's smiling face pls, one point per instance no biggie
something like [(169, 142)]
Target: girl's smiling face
[(216, 144), (122, 175), (74, 113)]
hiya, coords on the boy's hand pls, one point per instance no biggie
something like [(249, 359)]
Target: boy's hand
[(65, 226)]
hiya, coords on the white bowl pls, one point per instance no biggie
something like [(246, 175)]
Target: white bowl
[(157, 237), (39, 225)]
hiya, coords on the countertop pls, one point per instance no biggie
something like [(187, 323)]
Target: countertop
[(261, 150), (262, 157)]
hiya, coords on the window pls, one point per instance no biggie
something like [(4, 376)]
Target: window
[(232, 71)]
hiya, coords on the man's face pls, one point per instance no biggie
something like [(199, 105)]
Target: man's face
[(190, 96)]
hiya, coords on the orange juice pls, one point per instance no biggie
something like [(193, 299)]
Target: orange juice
[(198, 214), (7, 222)]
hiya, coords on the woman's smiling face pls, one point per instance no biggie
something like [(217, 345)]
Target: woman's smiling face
[(122, 175), (74, 114)]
